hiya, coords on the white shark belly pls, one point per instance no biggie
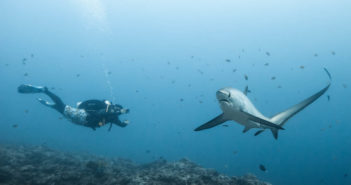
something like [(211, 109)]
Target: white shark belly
[(244, 105)]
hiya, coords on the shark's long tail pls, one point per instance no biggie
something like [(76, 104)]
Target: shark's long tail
[(281, 118)]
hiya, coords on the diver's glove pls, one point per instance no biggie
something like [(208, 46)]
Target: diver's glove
[(126, 122), (121, 124), (124, 111)]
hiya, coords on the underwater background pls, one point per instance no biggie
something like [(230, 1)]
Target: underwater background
[(165, 60)]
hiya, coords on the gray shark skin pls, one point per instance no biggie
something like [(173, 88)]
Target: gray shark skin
[(236, 106)]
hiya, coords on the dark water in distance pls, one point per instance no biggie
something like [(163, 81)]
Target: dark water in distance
[(165, 60)]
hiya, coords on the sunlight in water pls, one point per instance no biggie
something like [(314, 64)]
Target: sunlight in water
[(94, 13)]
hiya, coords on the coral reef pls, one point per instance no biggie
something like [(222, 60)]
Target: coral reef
[(43, 166)]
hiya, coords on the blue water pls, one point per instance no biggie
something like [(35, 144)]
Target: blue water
[(159, 53)]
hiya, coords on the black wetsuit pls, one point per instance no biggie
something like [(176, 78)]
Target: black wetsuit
[(98, 112)]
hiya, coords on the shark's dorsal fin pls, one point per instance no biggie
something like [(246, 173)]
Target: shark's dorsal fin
[(246, 91), (214, 122)]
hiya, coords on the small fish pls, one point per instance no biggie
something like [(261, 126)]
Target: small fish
[(246, 77), (328, 96), (201, 72), (200, 101), (32, 55), (24, 59), (273, 78), (181, 99), (77, 75), (25, 74), (333, 52), (262, 168), (344, 85), (60, 118), (239, 57), (266, 64), (26, 111), (302, 67), (24, 63), (14, 125), (235, 152), (227, 60), (109, 73), (147, 151), (279, 86), (6, 65), (177, 68), (189, 85), (173, 81), (268, 54), (136, 91), (315, 55), (346, 175), (225, 125), (234, 70)]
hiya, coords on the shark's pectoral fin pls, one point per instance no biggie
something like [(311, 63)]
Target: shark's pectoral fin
[(214, 122), (258, 132), (262, 121)]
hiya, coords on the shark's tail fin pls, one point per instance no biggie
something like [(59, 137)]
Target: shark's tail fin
[(281, 118)]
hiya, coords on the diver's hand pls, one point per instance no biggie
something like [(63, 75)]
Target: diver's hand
[(124, 111), (126, 122)]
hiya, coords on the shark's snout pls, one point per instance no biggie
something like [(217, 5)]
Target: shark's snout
[(223, 95)]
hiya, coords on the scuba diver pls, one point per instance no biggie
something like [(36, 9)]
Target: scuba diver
[(90, 113)]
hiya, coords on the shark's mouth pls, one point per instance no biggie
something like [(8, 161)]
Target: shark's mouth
[(224, 100)]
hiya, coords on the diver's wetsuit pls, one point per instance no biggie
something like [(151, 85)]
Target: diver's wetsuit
[(91, 113)]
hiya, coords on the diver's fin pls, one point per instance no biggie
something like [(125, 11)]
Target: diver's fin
[(246, 90), (258, 132), (214, 122), (275, 133), (26, 88), (262, 121), (246, 129)]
